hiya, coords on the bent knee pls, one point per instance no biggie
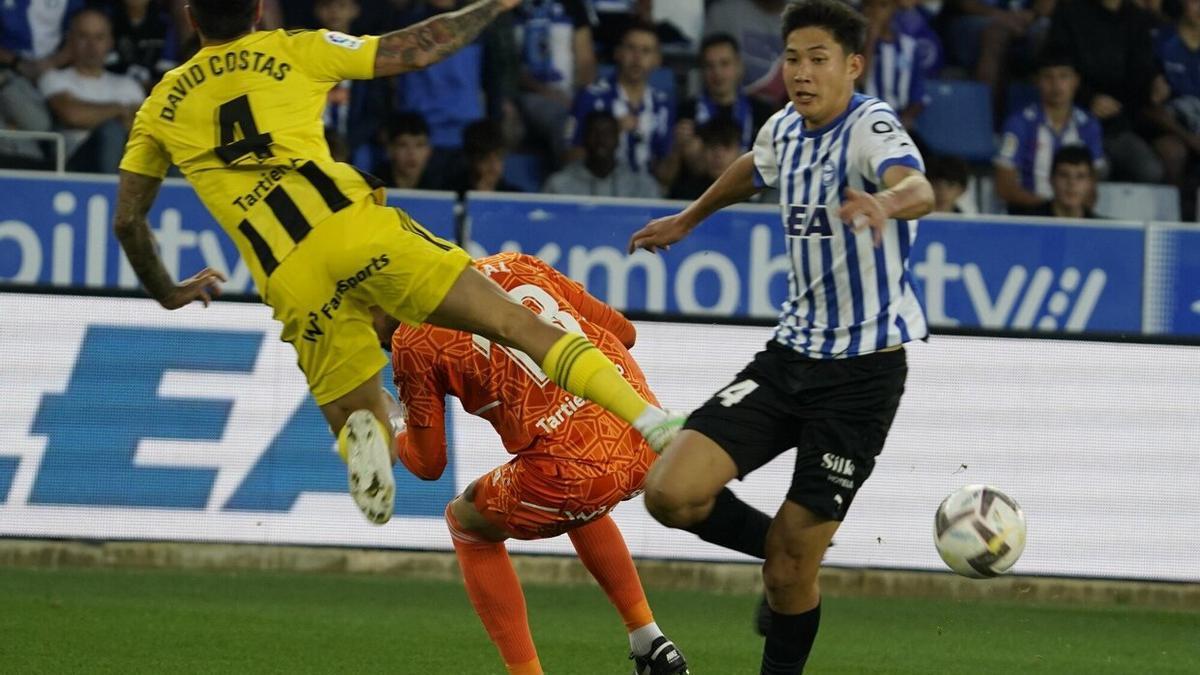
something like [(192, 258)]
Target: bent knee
[(672, 506), (784, 575)]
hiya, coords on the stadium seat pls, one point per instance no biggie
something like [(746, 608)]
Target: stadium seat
[(1138, 201), (524, 171), (958, 120)]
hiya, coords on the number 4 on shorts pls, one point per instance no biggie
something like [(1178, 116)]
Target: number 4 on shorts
[(734, 393)]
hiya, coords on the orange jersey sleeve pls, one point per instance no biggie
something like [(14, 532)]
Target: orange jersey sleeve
[(419, 382)]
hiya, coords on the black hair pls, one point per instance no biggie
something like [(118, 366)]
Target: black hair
[(595, 116), (482, 138), (91, 10), (407, 124), (638, 26), (947, 168), (721, 39), (223, 19), (1054, 58), (1072, 154), (721, 131), (846, 24), (1173, 10)]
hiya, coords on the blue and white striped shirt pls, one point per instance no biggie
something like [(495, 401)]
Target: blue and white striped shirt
[(896, 75), (34, 29), (648, 141), (846, 296)]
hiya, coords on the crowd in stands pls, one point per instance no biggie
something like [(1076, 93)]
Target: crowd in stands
[(654, 98)]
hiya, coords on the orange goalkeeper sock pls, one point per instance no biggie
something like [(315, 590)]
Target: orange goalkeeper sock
[(495, 592), (602, 550), (575, 364)]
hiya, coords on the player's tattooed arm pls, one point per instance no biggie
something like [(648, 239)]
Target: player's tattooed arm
[(135, 196), (435, 38)]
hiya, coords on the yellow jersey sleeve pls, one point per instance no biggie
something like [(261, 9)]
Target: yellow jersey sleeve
[(330, 56), (144, 154)]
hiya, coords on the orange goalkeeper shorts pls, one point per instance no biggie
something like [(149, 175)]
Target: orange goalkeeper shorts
[(532, 499)]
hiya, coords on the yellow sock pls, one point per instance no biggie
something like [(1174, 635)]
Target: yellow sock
[(575, 364)]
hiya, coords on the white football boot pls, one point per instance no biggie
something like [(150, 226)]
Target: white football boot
[(366, 447)]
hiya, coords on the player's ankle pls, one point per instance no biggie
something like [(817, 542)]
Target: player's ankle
[(640, 639), (651, 417)]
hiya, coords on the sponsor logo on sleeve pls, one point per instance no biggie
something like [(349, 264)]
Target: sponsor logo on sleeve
[(342, 40)]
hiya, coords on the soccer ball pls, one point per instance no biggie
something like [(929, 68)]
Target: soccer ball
[(979, 531)]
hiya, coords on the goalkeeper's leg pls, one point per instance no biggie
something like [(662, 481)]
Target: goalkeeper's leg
[(493, 586)]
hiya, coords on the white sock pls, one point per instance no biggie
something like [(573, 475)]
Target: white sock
[(649, 418), (641, 638)]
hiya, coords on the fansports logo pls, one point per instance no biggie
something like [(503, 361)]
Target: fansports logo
[(342, 40)]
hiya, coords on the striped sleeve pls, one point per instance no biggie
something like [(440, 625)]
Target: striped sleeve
[(878, 142), (766, 160)]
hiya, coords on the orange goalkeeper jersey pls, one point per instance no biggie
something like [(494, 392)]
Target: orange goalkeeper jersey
[(534, 417)]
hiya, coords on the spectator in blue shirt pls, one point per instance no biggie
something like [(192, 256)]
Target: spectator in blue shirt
[(612, 18), (644, 113), (354, 109), (892, 71), (554, 39), (598, 173), (722, 70), (31, 34), (1032, 137), (1176, 109), (913, 19), (31, 44), (447, 94)]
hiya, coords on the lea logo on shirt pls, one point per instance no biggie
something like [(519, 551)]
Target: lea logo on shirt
[(342, 40)]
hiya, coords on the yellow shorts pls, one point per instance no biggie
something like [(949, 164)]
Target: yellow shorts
[(362, 256)]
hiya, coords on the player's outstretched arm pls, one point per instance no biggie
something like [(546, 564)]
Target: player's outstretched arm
[(908, 195), (735, 185), (425, 43), (135, 196)]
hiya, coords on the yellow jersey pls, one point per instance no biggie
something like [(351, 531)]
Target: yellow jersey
[(242, 121)]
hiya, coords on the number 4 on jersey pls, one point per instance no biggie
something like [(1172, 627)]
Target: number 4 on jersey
[(236, 120), (734, 393)]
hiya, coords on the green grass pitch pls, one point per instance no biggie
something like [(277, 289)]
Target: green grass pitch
[(104, 621)]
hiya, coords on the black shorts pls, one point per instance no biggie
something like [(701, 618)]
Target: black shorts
[(835, 412)]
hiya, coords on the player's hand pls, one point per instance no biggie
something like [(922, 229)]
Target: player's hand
[(509, 4), (203, 287), (660, 233), (863, 210)]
